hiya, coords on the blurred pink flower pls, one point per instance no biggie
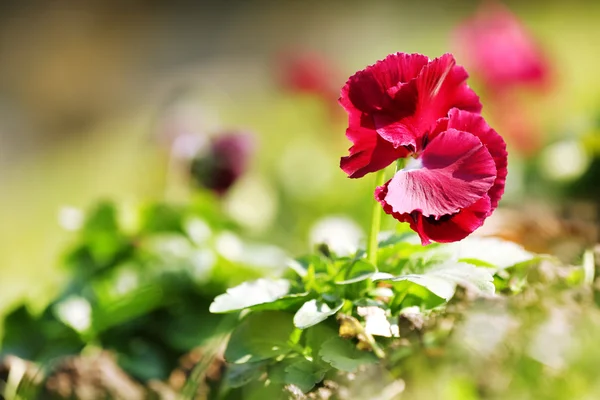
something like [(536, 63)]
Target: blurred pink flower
[(499, 49), (308, 72)]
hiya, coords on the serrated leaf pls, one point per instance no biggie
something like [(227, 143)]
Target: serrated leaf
[(304, 374), (343, 355), (314, 311), (249, 294), (355, 271), (442, 279), (259, 337)]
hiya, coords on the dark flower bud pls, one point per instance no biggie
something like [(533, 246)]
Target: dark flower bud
[(218, 165)]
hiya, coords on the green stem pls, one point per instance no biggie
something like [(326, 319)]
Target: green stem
[(375, 222)]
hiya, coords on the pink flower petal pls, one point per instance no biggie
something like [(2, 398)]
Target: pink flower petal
[(457, 170), (449, 228), (476, 125)]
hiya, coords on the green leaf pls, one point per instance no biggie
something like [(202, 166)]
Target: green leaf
[(288, 302), (250, 294), (133, 304), (260, 336), (343, 355), (162, 218), (314, 311), (488, 250), (442, 279), (304, 374), (301, 265), (355, 271), (316, 335), (238, 375), (411, 294), (388, 239)]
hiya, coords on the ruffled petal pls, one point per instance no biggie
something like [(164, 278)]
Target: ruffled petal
[(440, 86), (457, 170), (369, 153), (449, 228), (476, 125), (374, 88), (453, 228)]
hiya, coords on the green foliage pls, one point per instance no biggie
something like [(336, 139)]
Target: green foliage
[(343, 355), (261, 336), (142, 279), (314, 311), (154, 282), (298, 341)]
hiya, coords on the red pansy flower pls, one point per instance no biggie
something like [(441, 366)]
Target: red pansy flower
[(498, 47), (394, 104), (453, 182)]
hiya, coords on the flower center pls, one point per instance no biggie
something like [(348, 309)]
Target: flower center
[(413, 163)]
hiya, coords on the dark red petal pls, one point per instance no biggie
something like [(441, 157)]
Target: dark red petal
[(476, 125), (454, 227), (457, 170), (373, 88), (449, 228), (439, 87), (369, 153)]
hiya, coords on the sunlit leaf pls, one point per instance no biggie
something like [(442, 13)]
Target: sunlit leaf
[(314, 311), (489, 250), (250, 294), (442, 279)]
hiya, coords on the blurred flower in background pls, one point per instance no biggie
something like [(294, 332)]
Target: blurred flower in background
[(500, 51), (303, 71), (219, 165), (341, 234)]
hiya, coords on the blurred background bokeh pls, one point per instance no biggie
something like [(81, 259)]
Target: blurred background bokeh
[(99, 99)]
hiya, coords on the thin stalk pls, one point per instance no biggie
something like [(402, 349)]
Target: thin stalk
[(372, 246)]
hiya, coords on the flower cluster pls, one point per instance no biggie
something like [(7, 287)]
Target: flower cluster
[(408, 106)]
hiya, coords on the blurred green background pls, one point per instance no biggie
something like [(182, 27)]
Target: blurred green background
[(88, 88)]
